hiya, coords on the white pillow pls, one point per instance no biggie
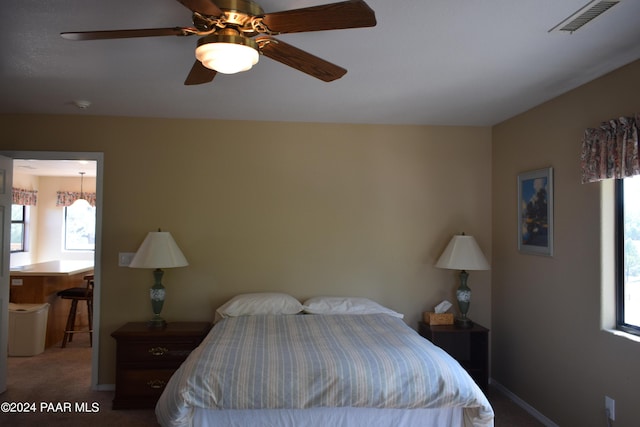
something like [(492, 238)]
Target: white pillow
[(346, 305), (259, 303)]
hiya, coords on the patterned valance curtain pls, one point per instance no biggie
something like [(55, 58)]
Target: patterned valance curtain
[(24, 197), (66, 198), (611, 151)]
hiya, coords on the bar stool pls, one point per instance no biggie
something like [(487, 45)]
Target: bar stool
[(75, 295)]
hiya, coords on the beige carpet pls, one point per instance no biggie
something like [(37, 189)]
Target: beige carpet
[(60, 376)]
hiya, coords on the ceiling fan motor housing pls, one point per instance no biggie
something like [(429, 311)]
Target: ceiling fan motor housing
[(228, 37), (247, 7), (239, 15)]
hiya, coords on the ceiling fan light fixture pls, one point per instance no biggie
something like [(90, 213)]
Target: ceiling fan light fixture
[(227, 54)]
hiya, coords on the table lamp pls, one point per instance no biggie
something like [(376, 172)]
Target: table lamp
[(463, 253), (158, 251)]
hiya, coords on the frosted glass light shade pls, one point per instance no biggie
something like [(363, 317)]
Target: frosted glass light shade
[(227, 58), (81, 203)]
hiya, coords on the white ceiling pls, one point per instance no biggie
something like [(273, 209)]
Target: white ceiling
[(69, 168), (438, 62)]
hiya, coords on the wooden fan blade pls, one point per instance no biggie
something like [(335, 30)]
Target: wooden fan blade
[(205, 7), (336, 16), (199, 74), (299, 59), (124, 34)]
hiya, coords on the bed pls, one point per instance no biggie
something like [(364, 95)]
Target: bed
[(317, 366)]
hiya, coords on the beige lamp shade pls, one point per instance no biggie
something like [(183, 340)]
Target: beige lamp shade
[(463, 253), (158, 250)]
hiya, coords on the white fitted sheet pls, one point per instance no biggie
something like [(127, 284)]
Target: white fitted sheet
[(334, 417)]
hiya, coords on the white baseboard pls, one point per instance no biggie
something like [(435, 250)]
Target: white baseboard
[(524, 405)]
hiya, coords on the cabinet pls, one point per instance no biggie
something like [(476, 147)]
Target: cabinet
[(146, 358), (470, 347)]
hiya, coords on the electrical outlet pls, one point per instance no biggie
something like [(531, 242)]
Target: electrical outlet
[(124, 258), (610, 407)]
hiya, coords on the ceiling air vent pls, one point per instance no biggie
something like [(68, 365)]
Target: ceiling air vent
[(587, 13)]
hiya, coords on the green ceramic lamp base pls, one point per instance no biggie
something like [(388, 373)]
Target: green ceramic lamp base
[(463, 322), (157, 293), (157, 323), (463, 295)]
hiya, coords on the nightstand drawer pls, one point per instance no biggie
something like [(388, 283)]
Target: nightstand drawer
[(143, 382), (154, 351), (140, 388)]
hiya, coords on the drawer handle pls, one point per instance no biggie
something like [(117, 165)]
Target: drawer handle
[(158, 351), (156, 384)]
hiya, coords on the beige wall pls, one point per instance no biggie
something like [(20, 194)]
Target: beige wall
[(548, 344), (307, 209), (51, 218)]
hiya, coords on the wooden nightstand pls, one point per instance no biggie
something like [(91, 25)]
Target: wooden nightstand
[(470, 347), (146, 359)]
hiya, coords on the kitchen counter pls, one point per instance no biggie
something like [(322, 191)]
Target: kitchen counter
[(53, 268), (40, 283)]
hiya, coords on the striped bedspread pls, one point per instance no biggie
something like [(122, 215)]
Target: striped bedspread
[(306, 361)]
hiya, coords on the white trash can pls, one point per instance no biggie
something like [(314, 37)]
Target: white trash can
[(27, 328)]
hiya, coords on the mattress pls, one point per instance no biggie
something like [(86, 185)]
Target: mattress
[(318, 365)]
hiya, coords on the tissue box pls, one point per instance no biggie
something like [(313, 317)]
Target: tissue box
[(437, 318)]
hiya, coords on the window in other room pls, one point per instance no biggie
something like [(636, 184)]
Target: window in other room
[(79, 227), (628, 254), (18, 227)]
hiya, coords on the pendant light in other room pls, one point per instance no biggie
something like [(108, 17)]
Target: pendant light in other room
[(81, 202)]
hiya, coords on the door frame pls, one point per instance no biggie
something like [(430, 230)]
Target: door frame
[(98, 157), (6, 169)]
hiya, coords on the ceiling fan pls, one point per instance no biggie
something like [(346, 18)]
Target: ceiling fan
[(235, 32)]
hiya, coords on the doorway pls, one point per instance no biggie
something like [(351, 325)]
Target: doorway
[(68, 165)]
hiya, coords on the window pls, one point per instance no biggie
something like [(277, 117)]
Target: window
[(79, 227), (18, 227), (628, 254)]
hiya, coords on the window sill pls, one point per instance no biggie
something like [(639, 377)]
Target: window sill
[(623, 334)]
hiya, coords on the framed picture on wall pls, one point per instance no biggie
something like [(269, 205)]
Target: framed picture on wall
[(535, 212)]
